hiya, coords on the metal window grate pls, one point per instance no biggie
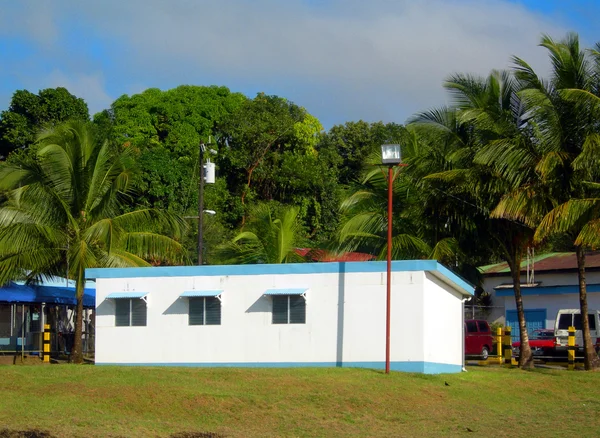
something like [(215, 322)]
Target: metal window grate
[(204, 311)]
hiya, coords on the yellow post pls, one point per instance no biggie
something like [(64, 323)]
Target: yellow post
[(507, 346), (571, 347), (47, 343), (499, 344)]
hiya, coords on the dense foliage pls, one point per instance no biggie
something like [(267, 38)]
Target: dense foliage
[(510, 163), (64, 213), (28, 113)]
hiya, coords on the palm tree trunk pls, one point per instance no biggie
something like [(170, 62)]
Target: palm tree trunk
[(525, 356), (76, 352), (591, 360)]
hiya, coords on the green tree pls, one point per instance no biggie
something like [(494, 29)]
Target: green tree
[(28, 113), (486, 117), (354, 143), (563, 166), (267, 237), (268, 151), (165, 129), (63, 213)]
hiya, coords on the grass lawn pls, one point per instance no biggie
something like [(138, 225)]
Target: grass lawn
[(84, 401)]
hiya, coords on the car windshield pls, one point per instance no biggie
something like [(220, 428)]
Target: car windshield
[(542, 334)]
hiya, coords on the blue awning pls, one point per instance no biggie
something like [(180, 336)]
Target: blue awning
[(49, 292), (18, 293), (125, 295), (201, 293), (65, 295), (293, 291)]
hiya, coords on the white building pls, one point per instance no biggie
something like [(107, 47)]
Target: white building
[(549, 283), (311, 314)]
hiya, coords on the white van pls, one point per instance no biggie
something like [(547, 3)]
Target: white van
[(566, 318)]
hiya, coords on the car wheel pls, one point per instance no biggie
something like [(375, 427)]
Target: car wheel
[(485, 353)]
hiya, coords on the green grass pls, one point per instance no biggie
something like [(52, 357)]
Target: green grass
[(68, 400)]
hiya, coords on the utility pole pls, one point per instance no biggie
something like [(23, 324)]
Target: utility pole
[(201, 204)]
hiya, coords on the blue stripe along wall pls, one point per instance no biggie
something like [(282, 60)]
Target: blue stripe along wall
[(409, 367), (548, 290)]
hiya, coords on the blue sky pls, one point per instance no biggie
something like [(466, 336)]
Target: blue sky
[(342, 60)]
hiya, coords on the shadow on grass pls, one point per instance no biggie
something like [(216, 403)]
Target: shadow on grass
[(31, 433), (36, 433)]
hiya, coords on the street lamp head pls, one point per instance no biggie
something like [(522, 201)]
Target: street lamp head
[(210, 212), (390, 154)]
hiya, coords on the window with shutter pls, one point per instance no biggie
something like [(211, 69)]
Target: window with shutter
[(138, 312), (280, 309), (130, 312), (205, 311), (122, 308), (289, 309), (297, 310), (212, 311)]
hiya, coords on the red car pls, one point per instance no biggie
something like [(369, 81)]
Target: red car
[(478, 338), (542, 343)]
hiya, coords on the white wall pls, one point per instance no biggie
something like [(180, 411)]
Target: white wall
[(440, 331), (426, 322)]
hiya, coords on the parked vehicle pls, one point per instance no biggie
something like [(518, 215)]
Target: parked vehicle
[(478, 338), (541, 341), (566, 318)]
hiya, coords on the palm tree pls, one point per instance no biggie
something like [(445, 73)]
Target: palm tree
[(485, 120), (555, 169), (64, 213), (365, 221), (265, 238)]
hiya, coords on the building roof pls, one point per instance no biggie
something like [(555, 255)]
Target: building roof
[(430, 266), (555, 261)]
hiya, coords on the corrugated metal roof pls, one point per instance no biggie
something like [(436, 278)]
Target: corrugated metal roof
[(201, 293), (125, 295), (293, 291), (556, 261)]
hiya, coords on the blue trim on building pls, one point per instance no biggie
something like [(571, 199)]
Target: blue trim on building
[(201, 293), (290, 291), (125, 295), (284, 268), (408, 367), (548, 290)]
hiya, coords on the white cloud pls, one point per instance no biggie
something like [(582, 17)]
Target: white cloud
[(89, 87), (345, 60)]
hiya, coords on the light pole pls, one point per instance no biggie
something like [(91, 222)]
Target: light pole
[(390, 156)]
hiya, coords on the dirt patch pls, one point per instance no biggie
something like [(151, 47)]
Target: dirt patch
[(31, 433), (16, 360), (197, 435)]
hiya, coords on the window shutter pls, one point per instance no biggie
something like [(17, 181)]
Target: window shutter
[(280, 309), (122, 313), (138, 312), (213, 311), (297, 310), (196, 316)]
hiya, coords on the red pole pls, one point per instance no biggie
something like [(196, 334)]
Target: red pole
[(389, 274)]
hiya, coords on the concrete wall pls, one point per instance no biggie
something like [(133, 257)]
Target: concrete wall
[(426, 328)]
